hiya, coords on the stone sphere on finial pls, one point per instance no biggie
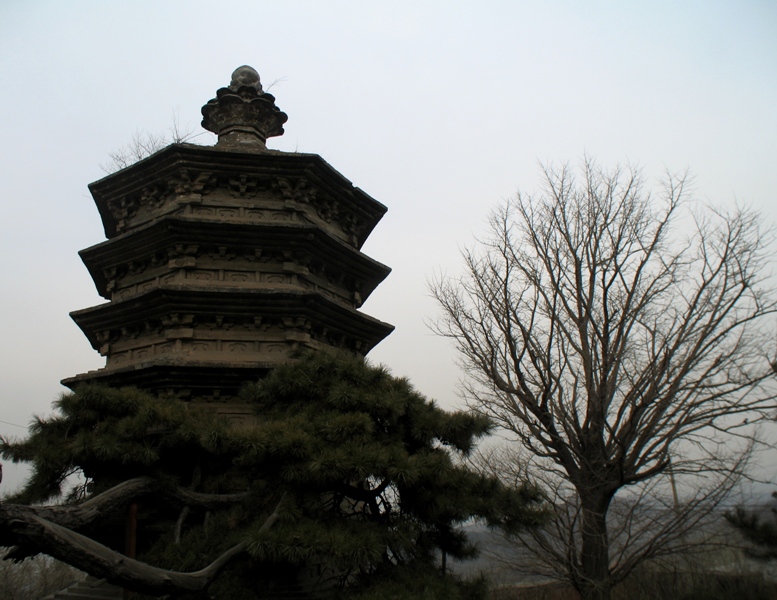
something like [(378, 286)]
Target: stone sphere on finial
[(245, 76)]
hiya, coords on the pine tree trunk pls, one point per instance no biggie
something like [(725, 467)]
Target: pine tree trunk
[(595, 555)]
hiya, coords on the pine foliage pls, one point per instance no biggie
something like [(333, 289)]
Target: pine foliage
[(762, 532), (363, 471), (111, 435)]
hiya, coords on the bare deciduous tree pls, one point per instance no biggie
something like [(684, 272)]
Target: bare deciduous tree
[(144, 144), (34, 577), (609, 333)]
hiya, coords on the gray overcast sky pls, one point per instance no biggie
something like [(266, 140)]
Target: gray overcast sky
[(440, 110)]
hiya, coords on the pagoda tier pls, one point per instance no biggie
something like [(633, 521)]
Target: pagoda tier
[(223, 332), (222, 261), (180, 250), (236, 186)]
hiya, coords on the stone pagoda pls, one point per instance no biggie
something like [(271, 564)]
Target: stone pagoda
[(221, 261)]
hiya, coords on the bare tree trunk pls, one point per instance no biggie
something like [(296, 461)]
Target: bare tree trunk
[(595, 555), (131, 532)]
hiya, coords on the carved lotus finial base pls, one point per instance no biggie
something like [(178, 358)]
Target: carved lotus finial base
[(243, 115)]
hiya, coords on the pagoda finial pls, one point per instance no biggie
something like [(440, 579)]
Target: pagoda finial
[(243, 115)]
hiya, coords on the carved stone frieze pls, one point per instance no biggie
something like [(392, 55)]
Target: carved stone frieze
[(243, 186), (188, 182), (295, 190), (353, 225), (222, 253), (152, 196), (123, 209), (186, 186)]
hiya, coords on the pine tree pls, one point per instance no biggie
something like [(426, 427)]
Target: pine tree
[(761, 532), (348, 479)]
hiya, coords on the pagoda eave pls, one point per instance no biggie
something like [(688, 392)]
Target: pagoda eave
[(163, 374)]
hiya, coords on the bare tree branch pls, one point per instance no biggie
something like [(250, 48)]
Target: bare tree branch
[(144, 144), (23, 524), (77, 516)]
